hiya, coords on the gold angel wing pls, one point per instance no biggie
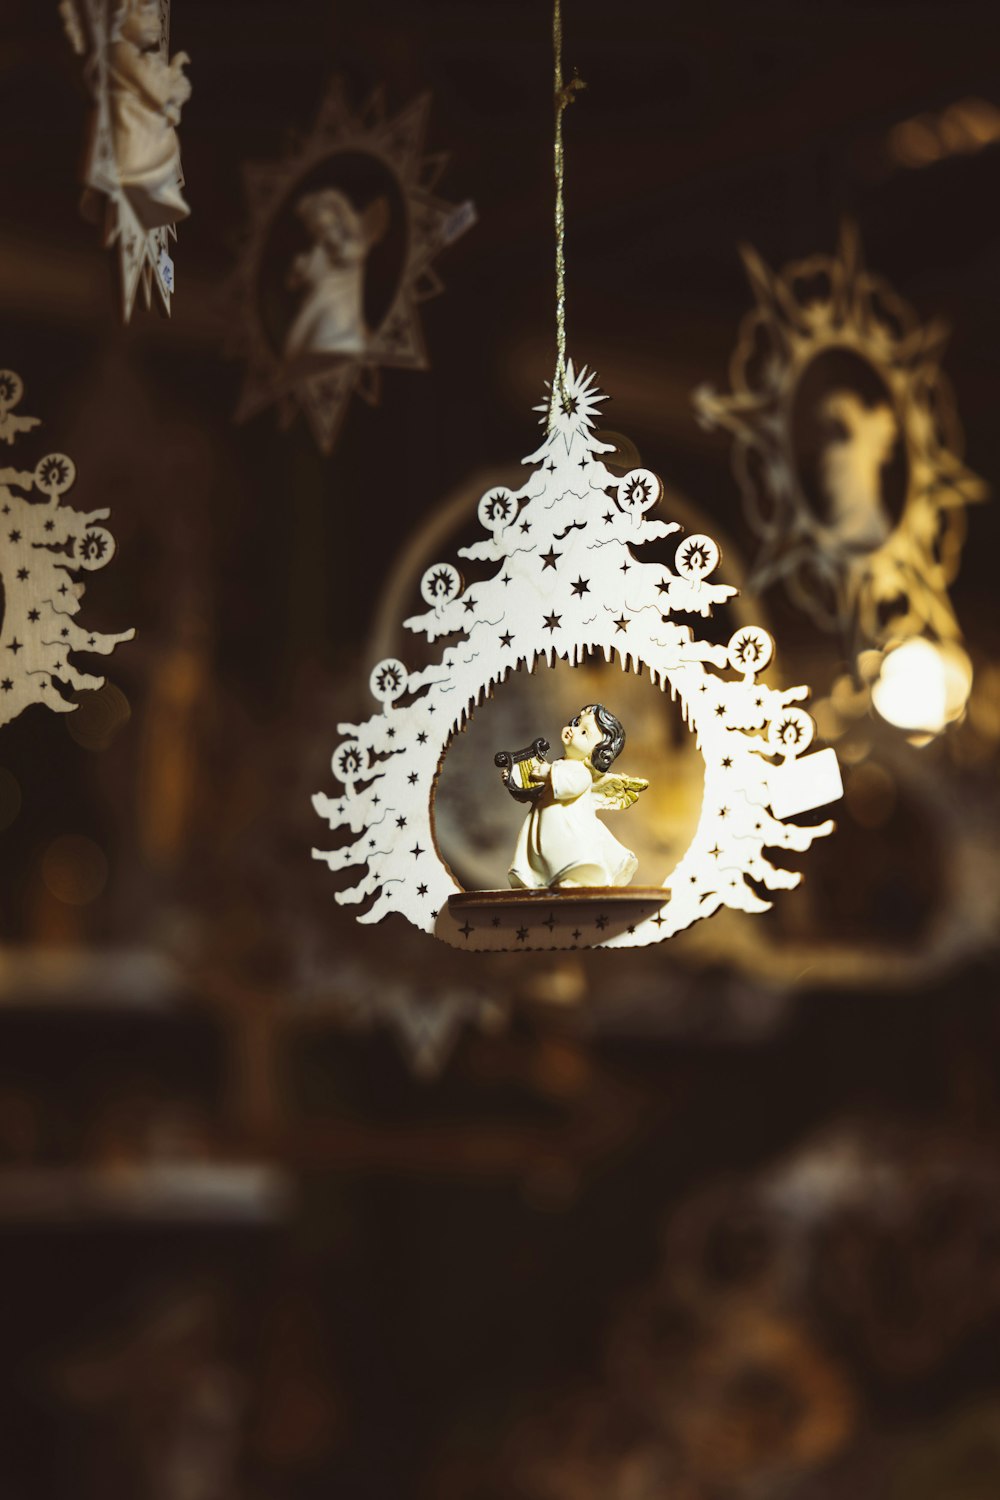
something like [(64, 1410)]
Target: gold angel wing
[(615, 793)]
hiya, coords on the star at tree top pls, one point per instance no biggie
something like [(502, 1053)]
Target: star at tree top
[(569, 414)]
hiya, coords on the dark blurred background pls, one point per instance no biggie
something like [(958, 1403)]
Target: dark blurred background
[(292, 1209)]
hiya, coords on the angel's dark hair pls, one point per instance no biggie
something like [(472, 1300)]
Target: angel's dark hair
[(613, 743)]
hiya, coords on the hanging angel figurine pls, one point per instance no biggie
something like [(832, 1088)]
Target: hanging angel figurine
[(331, 274), (562, 842), (146, 95)]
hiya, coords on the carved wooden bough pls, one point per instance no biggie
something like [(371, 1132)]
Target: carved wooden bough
[(43, 544)]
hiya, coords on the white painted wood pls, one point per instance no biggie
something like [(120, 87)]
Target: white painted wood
[(43, 545), (800, 785), (567, 582), (132, 172)]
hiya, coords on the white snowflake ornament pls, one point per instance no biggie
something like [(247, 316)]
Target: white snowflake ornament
[(43, 544), (567, 585)]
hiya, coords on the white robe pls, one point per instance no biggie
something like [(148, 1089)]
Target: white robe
[(147, 152), (330, 319), (562, 837)]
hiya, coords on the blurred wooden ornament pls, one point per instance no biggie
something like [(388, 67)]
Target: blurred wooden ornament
[(848, 453), (43, 543), (339, 255), (132, 168)]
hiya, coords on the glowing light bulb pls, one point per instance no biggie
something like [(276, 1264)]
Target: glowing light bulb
[(923, 685)]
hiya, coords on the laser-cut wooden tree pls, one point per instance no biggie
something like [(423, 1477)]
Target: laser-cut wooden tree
[(566, 583), (43, 543)]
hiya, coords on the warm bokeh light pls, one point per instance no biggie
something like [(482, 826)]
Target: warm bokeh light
[(74, 869), (99, 717), (923, 685), (965, 126)]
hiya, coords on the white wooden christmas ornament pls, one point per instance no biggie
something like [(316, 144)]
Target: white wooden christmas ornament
[(43, 544), (566, 584), (132, 171)]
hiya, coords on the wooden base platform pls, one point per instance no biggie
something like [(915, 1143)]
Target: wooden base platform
[(584, 895)]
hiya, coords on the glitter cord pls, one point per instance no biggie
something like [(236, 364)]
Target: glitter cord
[(563, 95)]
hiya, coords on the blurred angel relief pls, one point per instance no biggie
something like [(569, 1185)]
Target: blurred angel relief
[(860, 444), (849, 456), (331, 274), (339, 255), (133, 160)]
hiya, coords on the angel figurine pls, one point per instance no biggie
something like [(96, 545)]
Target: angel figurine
[(330, 319), (562, 842), (146, 94)]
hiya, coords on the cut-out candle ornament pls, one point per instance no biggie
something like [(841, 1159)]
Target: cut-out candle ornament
[(564, 582), (44, 543)]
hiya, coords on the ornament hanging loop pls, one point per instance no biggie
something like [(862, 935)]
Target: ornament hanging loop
[(563, 96)]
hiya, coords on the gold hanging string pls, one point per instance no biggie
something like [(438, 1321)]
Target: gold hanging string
[(564, 95)]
